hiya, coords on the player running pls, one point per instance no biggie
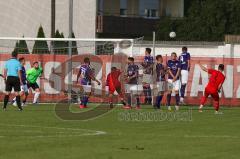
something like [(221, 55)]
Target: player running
[(12, 76), (147, 75), (132, 83), (24, 87), (185, 68), (214, 86), (161, 71), (86, 76), (174, 67), (32, 75), (114, 84)]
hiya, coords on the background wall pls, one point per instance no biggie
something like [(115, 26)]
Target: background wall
[(23, 17)]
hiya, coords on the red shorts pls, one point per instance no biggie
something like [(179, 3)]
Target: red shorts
[(214, 93), (112, 89)]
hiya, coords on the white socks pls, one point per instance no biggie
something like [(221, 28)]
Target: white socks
[(36, 96)]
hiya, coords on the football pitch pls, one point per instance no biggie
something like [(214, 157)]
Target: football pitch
[(37, 133)]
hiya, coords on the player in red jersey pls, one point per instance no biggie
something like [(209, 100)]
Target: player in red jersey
[(114, 84), (214, 86)]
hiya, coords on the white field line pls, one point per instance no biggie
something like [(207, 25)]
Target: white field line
[(88, 132), (201, 136)]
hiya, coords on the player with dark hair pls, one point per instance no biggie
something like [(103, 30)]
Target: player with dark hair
[(114, 84), (132, 83), (174, 67), (86, 76), (161, 71), (147, 75), (24, 87), (214, 86), (185, 68), (32, 75), (13, 78)]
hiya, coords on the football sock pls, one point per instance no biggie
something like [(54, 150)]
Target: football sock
[(138, 101), (36, 96), (177, 99), (6, 98), (158, 101), (149, 94), (129, 99), (169, 99), (18, 100), (182, 91)]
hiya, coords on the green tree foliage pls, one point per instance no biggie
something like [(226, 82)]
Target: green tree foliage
[(74, 46), (61, 47), (40, 47), (21, 47), (206, 20)]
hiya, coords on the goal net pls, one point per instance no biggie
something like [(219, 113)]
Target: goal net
[(61, 58)]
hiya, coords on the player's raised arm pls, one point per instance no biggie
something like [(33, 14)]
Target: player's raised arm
[(203, 68)]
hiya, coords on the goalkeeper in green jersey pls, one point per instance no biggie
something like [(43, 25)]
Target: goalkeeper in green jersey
[(32, 75)]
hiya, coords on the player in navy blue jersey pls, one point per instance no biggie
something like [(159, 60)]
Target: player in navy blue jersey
[(174, 67), (161, 72), (147, 75), (185, 68), (86, 76), (132, 83)]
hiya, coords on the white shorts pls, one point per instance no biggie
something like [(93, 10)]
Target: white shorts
[(184, 76), (87, 88), (147, 78), (24, 88), (174, 86), (133, 89), (161, 86)]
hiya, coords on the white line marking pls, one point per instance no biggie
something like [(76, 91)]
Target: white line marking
[(58, 134)]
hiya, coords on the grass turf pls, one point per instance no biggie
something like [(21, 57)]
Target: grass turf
[(37, 133)]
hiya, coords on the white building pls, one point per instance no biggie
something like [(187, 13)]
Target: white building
[(23, 17)]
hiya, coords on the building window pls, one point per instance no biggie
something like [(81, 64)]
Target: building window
[(123, 7), (123, 12), (151, 13), (149, 8)]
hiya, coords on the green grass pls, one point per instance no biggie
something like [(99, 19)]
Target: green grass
[(36, 133)]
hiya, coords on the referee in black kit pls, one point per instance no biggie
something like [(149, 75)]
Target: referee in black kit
[(12, 76)]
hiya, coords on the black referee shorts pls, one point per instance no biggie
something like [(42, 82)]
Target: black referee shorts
[(13, 83), (34, 86)]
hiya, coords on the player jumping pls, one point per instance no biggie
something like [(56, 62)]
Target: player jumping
[(24, 87), (161, 71), (132, 83), (32, 75), (214, 86), (85, 75), (185, 68), (174, 67), (114, 84), (147, 75)]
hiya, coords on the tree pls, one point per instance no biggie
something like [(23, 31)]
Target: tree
[(205, 20), (21, 47), (60, 47), (40, 47), (74, 46)]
